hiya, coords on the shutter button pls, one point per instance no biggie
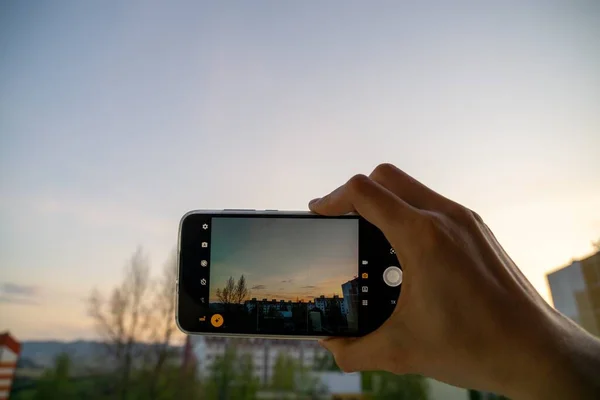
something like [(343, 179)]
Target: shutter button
[(392, 276)]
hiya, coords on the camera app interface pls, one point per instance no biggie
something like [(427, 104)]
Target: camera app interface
[(284, 275)]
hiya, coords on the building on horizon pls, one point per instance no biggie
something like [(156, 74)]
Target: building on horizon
[(265, 305), (322, 303), (350, 292), (325, 303), (575, 291), (264, 353)]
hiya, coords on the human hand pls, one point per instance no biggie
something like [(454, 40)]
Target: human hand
[(466, 315)]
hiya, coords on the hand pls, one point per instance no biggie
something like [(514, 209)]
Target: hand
[(466, 315)]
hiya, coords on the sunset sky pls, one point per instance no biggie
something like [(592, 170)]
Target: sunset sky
[(117, 117), (284, 259)]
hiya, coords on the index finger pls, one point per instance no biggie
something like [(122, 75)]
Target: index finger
[(372, 201)]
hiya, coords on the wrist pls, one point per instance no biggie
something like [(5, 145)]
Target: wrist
[(562, 364)]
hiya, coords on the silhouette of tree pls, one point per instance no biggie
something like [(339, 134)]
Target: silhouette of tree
[(162, 325), (226, 294), (140, 309), (241, 291), (233, 293), (123, 320)]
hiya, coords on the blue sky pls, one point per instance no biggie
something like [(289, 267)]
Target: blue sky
[(116, 118)]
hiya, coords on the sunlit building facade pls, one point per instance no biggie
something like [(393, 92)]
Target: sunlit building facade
[(264, 353), (575, 292), (350, 293)]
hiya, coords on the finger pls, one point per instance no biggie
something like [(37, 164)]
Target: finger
[(365, 353), (408, 188), (372, 201)]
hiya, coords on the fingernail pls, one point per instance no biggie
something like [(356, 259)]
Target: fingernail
[(313, 201)]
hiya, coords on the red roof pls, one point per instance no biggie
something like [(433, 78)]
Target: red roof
[(6, 340)]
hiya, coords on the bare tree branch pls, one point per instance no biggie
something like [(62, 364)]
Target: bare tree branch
[(226, 295), (241, 291), (123, 319), (137, 321)]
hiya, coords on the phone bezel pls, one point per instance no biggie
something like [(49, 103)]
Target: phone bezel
[(258, 214)]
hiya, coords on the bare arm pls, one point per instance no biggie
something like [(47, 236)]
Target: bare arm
[(466, 314)]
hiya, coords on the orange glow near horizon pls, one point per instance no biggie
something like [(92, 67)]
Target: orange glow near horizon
[(327, 289)]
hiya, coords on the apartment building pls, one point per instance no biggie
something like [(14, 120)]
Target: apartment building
[(264, 352), (575, 291)]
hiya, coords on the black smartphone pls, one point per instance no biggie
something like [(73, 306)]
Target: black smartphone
[(283, 274)]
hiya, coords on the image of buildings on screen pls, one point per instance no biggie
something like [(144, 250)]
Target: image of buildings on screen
[(322, 315)]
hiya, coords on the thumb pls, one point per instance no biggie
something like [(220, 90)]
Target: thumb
[(370, 352)]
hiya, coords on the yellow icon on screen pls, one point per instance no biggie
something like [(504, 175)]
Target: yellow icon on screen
[(216, 320), (365, 275)]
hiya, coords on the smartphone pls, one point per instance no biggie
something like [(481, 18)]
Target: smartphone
[(283, 274)]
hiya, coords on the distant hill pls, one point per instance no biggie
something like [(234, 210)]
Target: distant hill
[(81, 352), (43, 353)]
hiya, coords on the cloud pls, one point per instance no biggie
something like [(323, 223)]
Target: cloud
[(18, 294), (258, 287), (308, 287), (287, 281), (14, 288)]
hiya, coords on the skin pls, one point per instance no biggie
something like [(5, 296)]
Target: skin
[(466, 314)]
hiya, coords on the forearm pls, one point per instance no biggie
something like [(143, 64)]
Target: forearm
[(571, 368)]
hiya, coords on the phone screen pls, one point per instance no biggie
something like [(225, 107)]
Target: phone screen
[(292, 275), (289, 274)]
